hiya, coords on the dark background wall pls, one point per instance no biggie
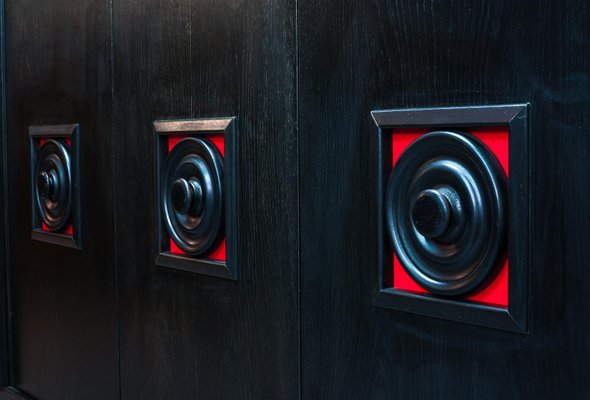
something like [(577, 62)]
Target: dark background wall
[(356, 56)]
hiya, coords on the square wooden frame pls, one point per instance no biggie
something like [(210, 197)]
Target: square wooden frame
[(71, 132), (515, 117), (227, 269)]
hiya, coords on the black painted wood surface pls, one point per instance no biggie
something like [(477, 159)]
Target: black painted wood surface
[(357, 56), (4, 314), (64, 300), (185, 335)]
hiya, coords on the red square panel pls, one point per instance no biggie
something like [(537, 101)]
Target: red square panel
[(496, 138), (218, 253)]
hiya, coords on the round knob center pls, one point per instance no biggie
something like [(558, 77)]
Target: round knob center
[(46, 184), (431, 213), (186, 195)]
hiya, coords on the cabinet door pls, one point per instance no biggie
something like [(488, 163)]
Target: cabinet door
[(4, 314), (187, 334), (63, 299), (356, 57)]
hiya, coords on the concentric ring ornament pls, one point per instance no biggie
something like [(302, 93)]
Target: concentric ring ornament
[(192, 195), (446, 215), (53, 185)]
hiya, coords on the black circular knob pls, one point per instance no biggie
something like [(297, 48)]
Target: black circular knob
[(192, 195), (181, 195), (46, 184), (197, 200), (186, 195), (53, 181), (431, 213), (445, 207)]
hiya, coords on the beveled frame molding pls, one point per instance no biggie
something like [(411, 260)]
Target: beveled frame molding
[(515, 116), (202, 127), (71, 132)]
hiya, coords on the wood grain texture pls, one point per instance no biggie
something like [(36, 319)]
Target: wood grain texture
[(4, 306), (357, 56), (185, 335), (64, 314)]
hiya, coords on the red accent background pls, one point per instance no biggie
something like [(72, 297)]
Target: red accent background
[(44, 139), (496, 138), (218, 253), (70, 229)]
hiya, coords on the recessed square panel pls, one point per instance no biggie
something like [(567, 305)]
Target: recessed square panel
[(427, 262), (197, 195), (496, 139), (55, 185)]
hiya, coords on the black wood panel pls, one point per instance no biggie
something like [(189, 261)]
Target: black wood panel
[(64, 300), (4, 316), (185, 335), (356, 56)]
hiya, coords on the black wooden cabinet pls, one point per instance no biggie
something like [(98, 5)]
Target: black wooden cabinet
[(296, 316), (62, 301)]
